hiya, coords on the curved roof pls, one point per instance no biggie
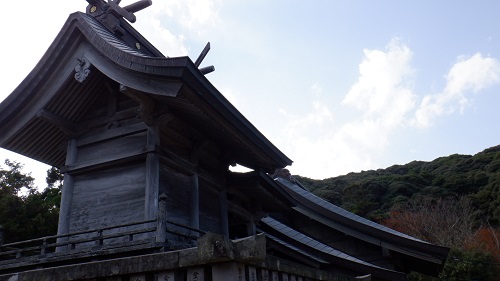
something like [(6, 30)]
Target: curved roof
[(321, 252), (175, 82), (353, 225)]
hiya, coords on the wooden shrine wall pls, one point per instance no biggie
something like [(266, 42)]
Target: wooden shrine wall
[(109, 197)]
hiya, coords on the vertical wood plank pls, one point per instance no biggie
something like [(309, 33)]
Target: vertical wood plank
[(152, 175), (293, 278), (195, 204), (161, 224), (224, 213), (66, 196), (251, 228), (283, 277), (196, 274)]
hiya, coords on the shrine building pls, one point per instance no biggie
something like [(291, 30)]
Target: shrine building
[(145, 143)]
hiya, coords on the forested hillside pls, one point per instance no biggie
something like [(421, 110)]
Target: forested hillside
[(373, 194), (452, 201)]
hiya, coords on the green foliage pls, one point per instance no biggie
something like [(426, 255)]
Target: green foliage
[(464, 265), (13, 181), (374, 193), (384, 194), (470, 265), (26, 213)]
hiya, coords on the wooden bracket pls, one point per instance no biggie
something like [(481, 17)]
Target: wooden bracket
[(66, 126)]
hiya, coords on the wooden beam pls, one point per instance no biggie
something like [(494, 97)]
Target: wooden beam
[(202, 55), (147, 106), (66, 126), (113, 134)]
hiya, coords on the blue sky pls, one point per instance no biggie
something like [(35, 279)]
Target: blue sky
[(338, 86)]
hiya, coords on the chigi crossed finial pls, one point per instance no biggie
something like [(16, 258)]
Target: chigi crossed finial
[(109, 13), (113, 6)]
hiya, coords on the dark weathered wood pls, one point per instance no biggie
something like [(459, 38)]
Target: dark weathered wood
[(202, 55), (132, 79), (223, 213), (152, 184), (112, 134), (67, 194), (113, 148), (66, 126), (126, 114), (98, 197), (137, 6), (195, 203), (161, 233), (176, 186)]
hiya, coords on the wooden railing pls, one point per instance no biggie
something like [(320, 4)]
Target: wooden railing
[(105, 236), (115, 235), (70, 241)]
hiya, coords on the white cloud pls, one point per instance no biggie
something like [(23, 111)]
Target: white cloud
[(190, 16), (170, 45), (383, 96), (383, 87), (194, 15), (467, 76), (385, 99)]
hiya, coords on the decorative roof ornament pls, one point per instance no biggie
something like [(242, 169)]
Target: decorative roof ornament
[(109, 13)]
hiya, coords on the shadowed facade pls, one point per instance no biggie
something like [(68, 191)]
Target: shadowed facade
[(145, 143)]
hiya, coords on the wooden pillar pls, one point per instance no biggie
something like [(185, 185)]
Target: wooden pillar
[(251, 228), (161, 224), (195, 204), (66, 196), (224, 213), (152, 174)]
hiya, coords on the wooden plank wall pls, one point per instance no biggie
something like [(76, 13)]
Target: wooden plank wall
[(210, 217), (177, 187), (108, 197)]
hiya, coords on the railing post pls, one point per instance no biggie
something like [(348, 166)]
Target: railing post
[(43, 251), (161, 224), (2, 238), (99, 241)]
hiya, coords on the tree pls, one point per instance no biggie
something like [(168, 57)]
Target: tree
[(451, 223), (25, 212), (447, 222)]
